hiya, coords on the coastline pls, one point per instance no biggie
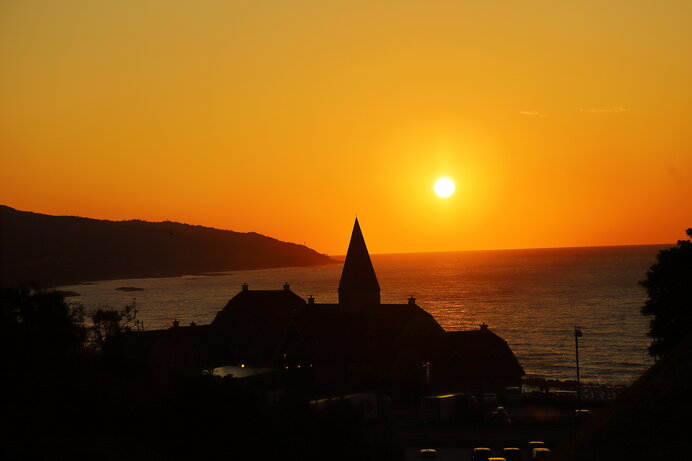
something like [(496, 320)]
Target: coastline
[(214, 273)]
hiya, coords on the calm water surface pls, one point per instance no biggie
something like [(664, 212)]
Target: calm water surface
[(532, 298)]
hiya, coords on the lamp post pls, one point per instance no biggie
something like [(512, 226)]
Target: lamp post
[(577, 335)]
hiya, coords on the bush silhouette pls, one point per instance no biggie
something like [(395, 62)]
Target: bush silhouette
[(38, 327)]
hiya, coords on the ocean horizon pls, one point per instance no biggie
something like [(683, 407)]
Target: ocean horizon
[(532, 298), (661, 245)]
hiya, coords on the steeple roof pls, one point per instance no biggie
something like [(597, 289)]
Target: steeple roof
[(358, 275)]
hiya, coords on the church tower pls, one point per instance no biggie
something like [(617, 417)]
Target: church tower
[(358, 285)]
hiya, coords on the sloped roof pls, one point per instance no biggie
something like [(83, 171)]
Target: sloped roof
[(377, 335), (255, 320), (263, 299), (260, 320), (358, 274), (483, 355)]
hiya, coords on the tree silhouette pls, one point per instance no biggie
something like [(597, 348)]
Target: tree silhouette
[(38, 326), (109, 323), (669, 286)]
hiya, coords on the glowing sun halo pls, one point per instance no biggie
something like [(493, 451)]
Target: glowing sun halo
[(444, 187)]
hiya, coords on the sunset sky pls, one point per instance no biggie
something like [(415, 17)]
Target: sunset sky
[(561, 123)]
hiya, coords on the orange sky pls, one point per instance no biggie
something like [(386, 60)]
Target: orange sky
[(562, 123)]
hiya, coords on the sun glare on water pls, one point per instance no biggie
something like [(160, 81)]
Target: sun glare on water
[(444, 187)]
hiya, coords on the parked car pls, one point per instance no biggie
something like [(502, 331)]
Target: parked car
[(500, 416), (582, 415), (535, 444), (512, 454), (427, 453), (438, 408), (540, 453), (489, 398), (480, 454), (512, 394)]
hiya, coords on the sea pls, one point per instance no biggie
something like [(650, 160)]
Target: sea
[(532, 298)]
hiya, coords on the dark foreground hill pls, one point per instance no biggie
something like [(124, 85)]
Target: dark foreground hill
[(651, 421), (51, 250)]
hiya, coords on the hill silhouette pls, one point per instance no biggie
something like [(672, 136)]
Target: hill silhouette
[(52, 250)]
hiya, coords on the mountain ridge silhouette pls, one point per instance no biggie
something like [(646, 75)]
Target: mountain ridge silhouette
[(50, 250)]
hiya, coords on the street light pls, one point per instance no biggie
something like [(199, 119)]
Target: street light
[(578, 334)]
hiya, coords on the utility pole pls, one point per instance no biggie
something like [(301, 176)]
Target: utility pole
[(577, 335)]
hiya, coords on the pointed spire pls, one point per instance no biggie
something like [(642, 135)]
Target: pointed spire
[(358, 284)]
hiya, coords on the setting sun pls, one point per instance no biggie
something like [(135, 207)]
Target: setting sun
[(215, 111), (444, 187)]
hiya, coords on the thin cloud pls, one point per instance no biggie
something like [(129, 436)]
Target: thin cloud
[(614, 110), (531, 113)]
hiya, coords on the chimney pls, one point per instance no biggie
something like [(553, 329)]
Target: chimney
[(484, 327), (193, 324), (176, 324), (412, 300), (287, 287), (245, 286), (311, 299)]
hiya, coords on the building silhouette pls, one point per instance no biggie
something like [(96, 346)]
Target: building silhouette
[(358, 286), (357, 344)]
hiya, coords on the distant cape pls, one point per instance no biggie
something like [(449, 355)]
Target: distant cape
[(57, 250)]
